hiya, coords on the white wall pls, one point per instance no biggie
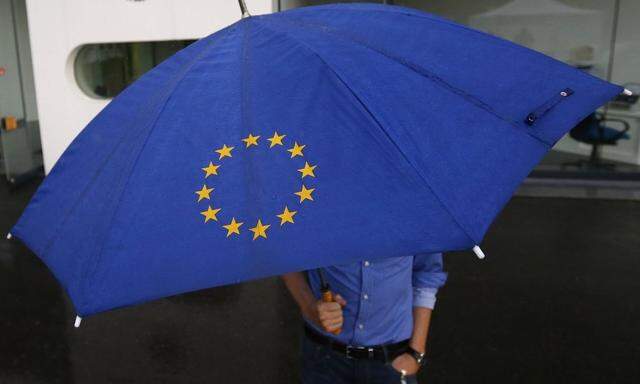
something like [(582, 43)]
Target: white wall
[(58, 28)]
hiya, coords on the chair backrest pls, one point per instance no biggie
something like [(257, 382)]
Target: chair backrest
[(586, 130), (592, 130)]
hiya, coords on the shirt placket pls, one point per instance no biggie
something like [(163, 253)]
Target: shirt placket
[(360, 326)]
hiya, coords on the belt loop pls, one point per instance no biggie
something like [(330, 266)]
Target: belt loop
[(348, 352)]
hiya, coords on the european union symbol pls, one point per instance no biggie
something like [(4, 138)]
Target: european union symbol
[(262, 224)]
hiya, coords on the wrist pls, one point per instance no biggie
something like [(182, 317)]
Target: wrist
[(418, 356), (418, 347), (308, 310)]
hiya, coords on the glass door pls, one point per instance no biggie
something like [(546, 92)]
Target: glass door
[(20, 149)]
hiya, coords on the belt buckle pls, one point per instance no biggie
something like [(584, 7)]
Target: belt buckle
[(352, 348)]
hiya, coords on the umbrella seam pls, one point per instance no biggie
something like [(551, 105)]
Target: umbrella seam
[(420, 71), (410, 12), (169, 95), (54, 237), (244, 119), (43, 252), (375, 119)]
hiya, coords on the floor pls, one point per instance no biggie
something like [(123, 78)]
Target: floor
[(557, 175), (571, 165), (555, 301)]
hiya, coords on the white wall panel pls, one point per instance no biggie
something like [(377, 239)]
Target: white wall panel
[(58, 28)]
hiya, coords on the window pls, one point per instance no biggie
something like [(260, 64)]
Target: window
[(104, 70), (599, 37)]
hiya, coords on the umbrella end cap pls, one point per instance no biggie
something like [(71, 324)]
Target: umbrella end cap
[(9, 236), (478, 252), (76, 324)]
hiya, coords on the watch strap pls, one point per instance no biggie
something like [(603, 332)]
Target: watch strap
[(418, 356)]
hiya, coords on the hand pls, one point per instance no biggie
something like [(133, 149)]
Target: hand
[(327, 315), (406, 363)]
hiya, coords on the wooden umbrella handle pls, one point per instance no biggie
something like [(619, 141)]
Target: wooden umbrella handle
[(327, 297)]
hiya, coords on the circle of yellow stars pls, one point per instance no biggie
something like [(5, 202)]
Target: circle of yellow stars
[(260, 230)]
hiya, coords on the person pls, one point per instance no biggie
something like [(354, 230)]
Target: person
[(375, 330)]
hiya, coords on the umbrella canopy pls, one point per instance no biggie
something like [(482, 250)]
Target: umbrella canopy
[(307, 138)]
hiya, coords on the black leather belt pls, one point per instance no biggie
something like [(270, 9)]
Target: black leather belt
[(385, 353)]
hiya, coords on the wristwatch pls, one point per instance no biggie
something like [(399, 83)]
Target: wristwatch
[(419, 356)]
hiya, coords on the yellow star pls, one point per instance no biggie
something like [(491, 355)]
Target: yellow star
[(211, 170), (210, 214), (204, 193), (224, 151), (276, 139), (259, 230), (307, 170), (232, 227), (286, 216), (305, 194), (296, 150), (251, 140)]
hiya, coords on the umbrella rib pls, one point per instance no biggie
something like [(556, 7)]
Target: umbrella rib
[(246, 118), (380, 126), (244, 81), (324, 29), (67, 214), (410, 12), (169, 93)]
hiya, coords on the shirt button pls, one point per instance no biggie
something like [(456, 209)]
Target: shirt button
[(360, 325), (366, 263), (365, 296)]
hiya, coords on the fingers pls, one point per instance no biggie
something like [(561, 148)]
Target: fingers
[(406, 363), (329, 307), (332, 327), (330, 315), (328, 311), (332, 324), (340, 300)]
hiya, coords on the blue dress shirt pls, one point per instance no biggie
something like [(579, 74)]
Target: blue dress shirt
[(380, 296)]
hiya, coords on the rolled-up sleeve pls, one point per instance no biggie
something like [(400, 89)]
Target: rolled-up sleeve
[(428, 276)]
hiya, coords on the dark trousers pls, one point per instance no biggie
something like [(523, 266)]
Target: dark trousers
[(322, 365)]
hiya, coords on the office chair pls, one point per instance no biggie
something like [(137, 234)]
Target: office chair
[(592, 130)]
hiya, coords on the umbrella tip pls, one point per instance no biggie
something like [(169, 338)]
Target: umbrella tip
[(627, 92), (478, 252), (9, 236), (76, 324)]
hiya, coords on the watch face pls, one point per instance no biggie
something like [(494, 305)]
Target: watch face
[(418, 356)]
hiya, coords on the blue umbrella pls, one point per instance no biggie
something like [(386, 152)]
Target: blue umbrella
[(311, 137)]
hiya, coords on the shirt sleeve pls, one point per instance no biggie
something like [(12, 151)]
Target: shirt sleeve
[(428, 276)]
